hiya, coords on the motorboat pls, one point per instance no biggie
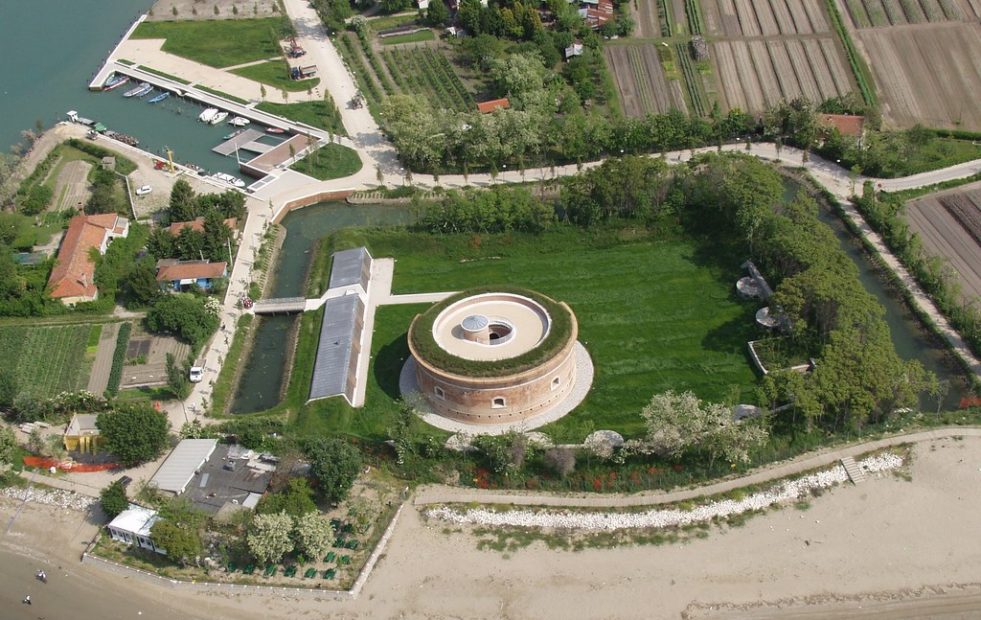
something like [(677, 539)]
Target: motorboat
[(227, 178), (207, 115), (239, 121), (139, 91), (275, 130), (115, 82), (233, 134), (159, 97), (217, 118)]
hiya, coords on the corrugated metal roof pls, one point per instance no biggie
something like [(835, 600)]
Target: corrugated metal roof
[(179, 468), (350, 267), (135, 520), (340, 334)]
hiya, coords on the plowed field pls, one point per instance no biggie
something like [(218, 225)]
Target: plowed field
[(640, 80)]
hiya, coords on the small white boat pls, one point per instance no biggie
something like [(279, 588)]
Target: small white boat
[(239, 121), (219, 118), (207, 115), (227, 178)]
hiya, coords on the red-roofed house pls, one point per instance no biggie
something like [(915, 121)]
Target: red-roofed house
[(73, 277), (486, 107), (174, 275), (848, 125), (197, 224)]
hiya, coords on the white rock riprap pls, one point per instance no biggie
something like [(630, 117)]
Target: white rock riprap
[(54, 497), (660, 518)]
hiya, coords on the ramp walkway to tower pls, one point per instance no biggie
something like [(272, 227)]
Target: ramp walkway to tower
[(280, 305)]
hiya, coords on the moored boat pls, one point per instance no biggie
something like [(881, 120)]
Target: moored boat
[(233, 134), (159, 97), (122, 137), (81, 120), (239, 121), (139, 91), (218, 118), (224, 177), (115, 82), (207, 115), (275, 130)]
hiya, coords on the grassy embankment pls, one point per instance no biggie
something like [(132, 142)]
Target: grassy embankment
[(333, 161), (219, 43), (654, 314)]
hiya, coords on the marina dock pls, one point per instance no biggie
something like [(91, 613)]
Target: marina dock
[(244, 141)]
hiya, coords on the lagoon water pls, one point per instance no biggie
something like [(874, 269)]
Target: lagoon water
[(49, 50)]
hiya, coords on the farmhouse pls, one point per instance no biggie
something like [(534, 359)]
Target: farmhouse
[(486, 107), (489, 357), (73, 278), (197, 225), (848, 125), (132, 527), (175, 275)]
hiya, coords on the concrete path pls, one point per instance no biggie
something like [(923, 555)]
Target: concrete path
[(61, 483), (441, 494), (102, 366)]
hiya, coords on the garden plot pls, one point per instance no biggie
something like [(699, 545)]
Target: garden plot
[(756, 73), (927, 74), (768, 18), (426, 72), (949, 224), (881, 13), (641, 81), (45, 361)]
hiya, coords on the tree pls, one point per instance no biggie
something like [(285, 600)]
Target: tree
[(561, 460), (141, 283), (183, 205), (181, 542), (8, 445), (437, 14), (679, 423), (113, 499), (313, 534), (269, 537), (184, 316), (177, 378), (335, 464), (295, 500), (134, 433)]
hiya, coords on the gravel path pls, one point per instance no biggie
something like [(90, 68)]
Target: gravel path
[(99, 377)]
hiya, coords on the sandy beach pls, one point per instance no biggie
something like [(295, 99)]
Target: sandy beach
[(900, 548)]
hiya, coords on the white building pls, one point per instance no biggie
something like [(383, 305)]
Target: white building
[(132, 527), (180, 466)]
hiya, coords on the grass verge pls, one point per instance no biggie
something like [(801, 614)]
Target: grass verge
[(163, 75), (222, 94), (414, 37), (221, 396), (323, 114), (332, 161), (276, 73)]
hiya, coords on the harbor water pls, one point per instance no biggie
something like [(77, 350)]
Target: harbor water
[(49, 51)]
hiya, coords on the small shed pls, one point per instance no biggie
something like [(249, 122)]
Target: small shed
[(109, 163), (81, 434), (486, 107), (573, 50)]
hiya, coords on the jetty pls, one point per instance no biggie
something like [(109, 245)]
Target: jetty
[(244, 141)]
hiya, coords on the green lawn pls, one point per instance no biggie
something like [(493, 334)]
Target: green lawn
[(219, 43), (323, 114), (415, 37), (47, 360), (333, 161), (276, 74), (654, 314)]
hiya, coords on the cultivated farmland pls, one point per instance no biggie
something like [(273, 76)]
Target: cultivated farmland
[(949, 223), (641, 81), (772, 50), (924, 59), (45, 361), (878, 13)]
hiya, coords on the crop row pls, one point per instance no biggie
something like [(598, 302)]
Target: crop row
[(862, 74), (664, 18), (118, 357), (375, 64), (692, 80), (638, 68), (695, 22), (876, 13), (429, 74), (51, 359), (353, 58)]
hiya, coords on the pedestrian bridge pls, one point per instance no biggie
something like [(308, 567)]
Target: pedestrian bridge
[(280, 305)]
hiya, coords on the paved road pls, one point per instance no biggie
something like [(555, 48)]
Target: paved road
[(441, 494)]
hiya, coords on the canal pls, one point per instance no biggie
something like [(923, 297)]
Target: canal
[(262, 377)]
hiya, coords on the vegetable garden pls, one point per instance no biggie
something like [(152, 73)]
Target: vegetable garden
[(45, 361)]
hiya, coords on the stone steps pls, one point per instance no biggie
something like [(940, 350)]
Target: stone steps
[(855, 473)]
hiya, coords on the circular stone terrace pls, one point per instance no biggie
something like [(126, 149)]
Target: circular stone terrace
[(491, 326)]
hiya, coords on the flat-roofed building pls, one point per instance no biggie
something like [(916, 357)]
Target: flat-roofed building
[(179, 468)]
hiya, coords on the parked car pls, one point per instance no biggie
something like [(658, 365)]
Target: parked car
[(196, 374), (143, 190)]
